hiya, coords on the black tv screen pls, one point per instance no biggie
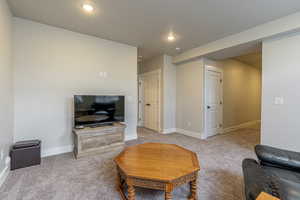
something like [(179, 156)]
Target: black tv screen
[(97, 110)]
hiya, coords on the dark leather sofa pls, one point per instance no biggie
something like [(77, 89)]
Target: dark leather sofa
[(276, 172)]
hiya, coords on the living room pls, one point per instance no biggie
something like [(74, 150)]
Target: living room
[(52, 51)]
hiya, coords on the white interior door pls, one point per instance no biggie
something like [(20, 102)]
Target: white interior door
[(213, 101), (151, 101)]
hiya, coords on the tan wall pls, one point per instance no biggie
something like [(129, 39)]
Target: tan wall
[(241, 92), (189, 96), (168, 87), (6, 85), (152, 64), (169, 94)]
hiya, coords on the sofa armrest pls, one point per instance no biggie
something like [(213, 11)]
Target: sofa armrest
[(280, 158), (257, 180)]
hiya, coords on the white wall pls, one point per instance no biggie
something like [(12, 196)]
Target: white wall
[(280, 78), (189, 97), (6, 89), (53, 64)]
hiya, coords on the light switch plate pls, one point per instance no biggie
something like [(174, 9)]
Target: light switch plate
[(104, 74), (278, 101)]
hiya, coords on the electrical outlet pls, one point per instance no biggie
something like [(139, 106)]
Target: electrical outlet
[(103, 74), (189, 123), (7, 160), (1, 154)]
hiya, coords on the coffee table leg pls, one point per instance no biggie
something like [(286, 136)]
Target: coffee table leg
[(120, 186), (168, 195), (131, 192), (193, 186), (168, 192), (119, 181)]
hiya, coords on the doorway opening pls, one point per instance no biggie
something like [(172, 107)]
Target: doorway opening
[(232, 93), (149, 100)]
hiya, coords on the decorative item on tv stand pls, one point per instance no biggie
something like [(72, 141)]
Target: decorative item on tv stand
[(99, 124)]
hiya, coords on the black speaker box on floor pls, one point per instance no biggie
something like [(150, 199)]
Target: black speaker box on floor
[(25, 154)]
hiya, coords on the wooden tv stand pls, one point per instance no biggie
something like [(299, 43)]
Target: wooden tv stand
[(91, 141)]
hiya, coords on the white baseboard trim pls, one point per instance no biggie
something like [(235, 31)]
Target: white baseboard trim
[(189, 133), (57, 151), (5, 172), (69, 148), (130, 137), (240, 126), (203, 137), (169, 130)]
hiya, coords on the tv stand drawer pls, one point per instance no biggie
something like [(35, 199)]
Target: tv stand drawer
[(96, 140)]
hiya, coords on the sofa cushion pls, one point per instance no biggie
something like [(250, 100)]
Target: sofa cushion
[(289, 190), (283, 174)]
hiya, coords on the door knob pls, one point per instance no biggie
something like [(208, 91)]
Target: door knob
[(208, 107), (148, 104)]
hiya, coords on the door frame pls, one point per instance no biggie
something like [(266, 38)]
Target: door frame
[(208, 68), (140, 121), (140, 97)]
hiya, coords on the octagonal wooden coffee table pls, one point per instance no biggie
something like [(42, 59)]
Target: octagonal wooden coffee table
[(156, 166)]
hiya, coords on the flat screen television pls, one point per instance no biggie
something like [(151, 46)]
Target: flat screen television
[(98, 110)]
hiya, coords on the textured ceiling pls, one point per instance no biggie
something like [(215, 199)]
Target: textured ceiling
[(145, 23)]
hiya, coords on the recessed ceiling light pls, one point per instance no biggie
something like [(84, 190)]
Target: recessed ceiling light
[(88, 7), (171, 37)]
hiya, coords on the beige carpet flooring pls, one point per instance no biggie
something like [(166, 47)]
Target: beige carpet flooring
[(64, 178)]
